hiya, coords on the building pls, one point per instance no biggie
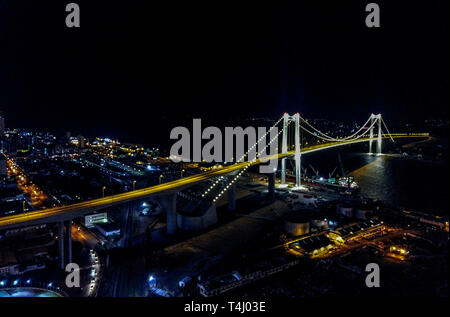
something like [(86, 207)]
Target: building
[(314, 245), (3, 165), (366, 229), (8, 263), (234, 279), (2, 126), (108, 229), (81, 142), (2, 136), (93, 219)]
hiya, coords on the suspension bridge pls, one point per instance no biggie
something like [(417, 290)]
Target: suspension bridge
[(226, 176)]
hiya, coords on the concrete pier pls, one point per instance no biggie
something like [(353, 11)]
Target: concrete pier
[(61, 244), (169, 203), (271, 183), (68, 242), (232, 197)]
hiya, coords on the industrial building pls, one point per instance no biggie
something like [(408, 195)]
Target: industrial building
[(357, 231), (226, 282), (313, 245), (194, 214)]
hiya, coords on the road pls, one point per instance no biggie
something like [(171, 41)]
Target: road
[(75, 210), (24, 183), (83, 235)]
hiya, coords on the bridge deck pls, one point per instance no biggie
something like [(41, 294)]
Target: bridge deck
[(68, 212)]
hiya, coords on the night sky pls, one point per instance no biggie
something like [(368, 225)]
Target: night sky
[(137, 68)]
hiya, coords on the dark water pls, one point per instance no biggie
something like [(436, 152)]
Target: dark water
[(412, 184), (422, 186)]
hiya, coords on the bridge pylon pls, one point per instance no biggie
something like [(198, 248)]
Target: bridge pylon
[(284, 148), (298, 157), (372, 118), (379, 139)]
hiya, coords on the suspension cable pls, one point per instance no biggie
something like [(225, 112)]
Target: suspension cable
[(343, 139), (244, 155), (331, 138), (387, 130), (247, 166)]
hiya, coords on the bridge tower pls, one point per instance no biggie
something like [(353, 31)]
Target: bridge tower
[(379, 140), (298, 175), (372, 118), (284, 148)]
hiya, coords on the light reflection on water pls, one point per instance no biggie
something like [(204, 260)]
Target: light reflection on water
[(411, 184)]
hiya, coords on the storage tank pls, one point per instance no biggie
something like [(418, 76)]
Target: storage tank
[(320, 223), (363, 212), (345, 210), (296, 225)]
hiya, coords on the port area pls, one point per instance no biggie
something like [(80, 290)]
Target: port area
[(404, 258), (251, 246), (219, 249)]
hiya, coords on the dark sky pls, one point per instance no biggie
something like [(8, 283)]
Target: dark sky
[(133, 65)]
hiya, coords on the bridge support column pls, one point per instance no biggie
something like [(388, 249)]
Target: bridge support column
[(124, 211), (284, 148), (298, 174), (61, 245), (232, 197), (379, 140), (128, 225), (68, 242), (271, 185), (169, 202)]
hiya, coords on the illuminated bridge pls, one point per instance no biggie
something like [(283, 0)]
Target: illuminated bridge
[(168, 191)]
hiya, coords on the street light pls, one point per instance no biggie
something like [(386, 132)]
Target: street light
[(103, 191), (134, 185), (182, 171), (160, 178), (23, 205)]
